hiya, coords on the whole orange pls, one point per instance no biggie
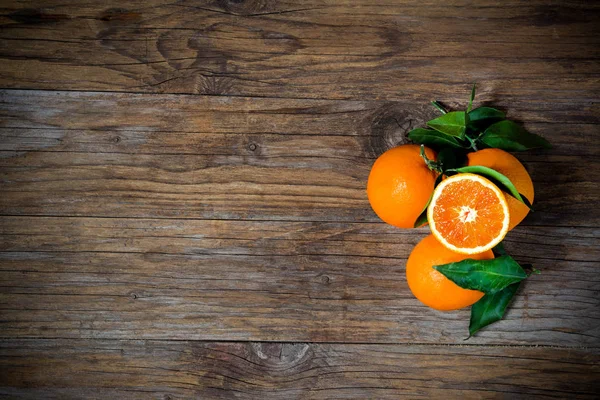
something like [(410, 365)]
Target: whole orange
[(431, 287), (508, 165), (400, 184)]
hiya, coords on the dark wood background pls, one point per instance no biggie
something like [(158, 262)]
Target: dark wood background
[(183, 210)]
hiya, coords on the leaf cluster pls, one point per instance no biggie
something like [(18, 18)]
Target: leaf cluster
[(475, 129), (453, 135)]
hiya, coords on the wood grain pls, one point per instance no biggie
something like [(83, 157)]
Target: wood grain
[(183, 209), (126, 155), (267, 280), (536, 51), (172, 370)]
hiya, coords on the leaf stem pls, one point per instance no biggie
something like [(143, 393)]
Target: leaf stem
[(472, 142), (439, 106)]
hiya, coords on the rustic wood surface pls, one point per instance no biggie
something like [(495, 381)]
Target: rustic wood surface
[(270, 280), (142, 369), (536, 50), (183, 210)]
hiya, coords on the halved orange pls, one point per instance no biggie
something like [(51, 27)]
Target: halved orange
[(468, 214)]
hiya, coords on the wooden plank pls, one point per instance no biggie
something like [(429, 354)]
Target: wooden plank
[(365, 49), (169, 370), (568, 139), (64, 153), (225, 114), (269, 280), (247, 186)]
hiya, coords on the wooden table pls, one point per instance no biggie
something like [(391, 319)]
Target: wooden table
[(183, 207)]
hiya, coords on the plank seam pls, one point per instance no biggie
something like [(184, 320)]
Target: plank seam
[(405, 344)]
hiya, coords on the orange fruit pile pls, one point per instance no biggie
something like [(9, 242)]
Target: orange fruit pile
[(467, 213)]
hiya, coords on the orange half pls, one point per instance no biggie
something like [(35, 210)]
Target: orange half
[(468, 214)]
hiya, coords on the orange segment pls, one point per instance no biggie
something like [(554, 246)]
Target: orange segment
[(468, 214)]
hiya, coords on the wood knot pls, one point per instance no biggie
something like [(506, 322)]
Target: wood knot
[(213, 85), (215, 50), (116, 139), (390, 125), (252, 146), (246, 7), (280, 353)]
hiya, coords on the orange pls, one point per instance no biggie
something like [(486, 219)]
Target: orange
[(507, 165), (468, 214), (400, 184), (431, 287)]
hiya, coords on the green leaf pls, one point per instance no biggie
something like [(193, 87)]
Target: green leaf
[(497, 178), (499, 250), (434, 139), (471, 99), (491, 308), (509, 136), (422, 218), (488, 276), (482, 117), (439, 106), (453, 123), (447, 158)]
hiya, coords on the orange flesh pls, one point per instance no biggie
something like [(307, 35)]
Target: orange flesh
[(468, 214)]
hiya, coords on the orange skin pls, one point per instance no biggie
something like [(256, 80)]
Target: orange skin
[(508, 165), (430, 286), (400, 184)]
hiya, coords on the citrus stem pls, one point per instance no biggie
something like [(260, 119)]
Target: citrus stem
[(432, 165)]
